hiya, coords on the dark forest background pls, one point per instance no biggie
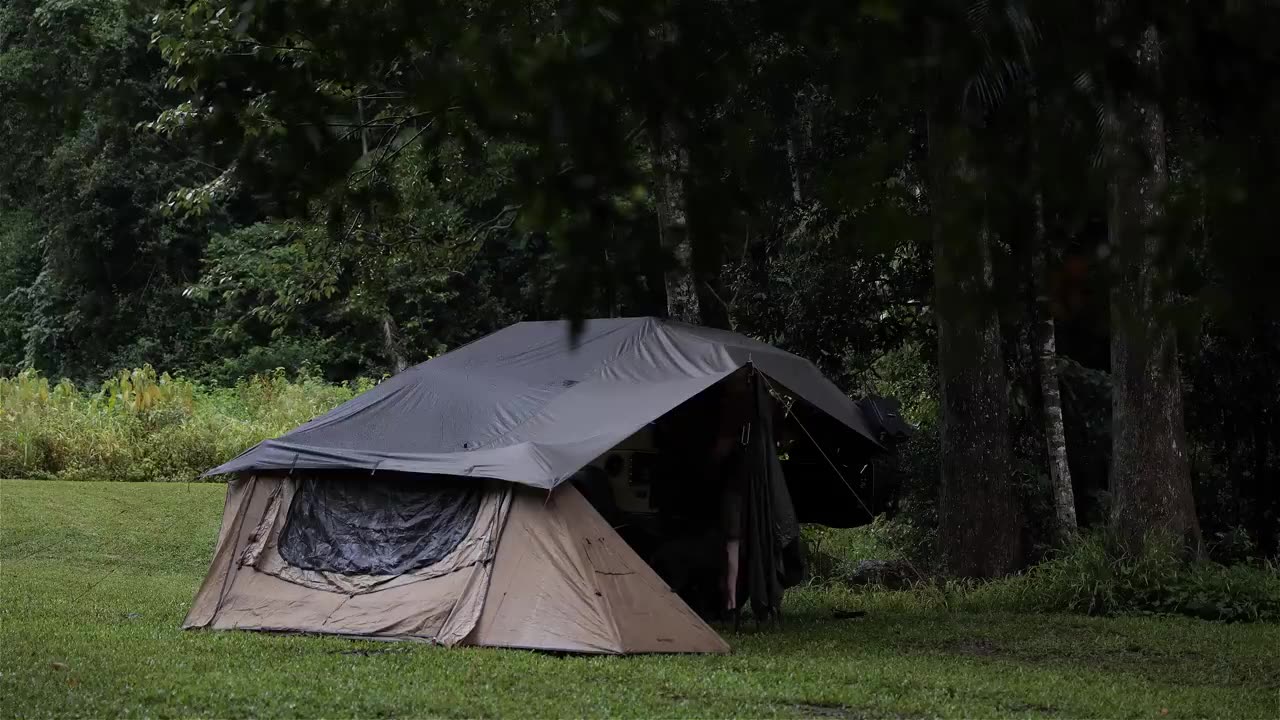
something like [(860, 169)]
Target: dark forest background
[(1048, 228)]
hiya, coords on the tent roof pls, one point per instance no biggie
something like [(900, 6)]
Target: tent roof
[(526, 405)]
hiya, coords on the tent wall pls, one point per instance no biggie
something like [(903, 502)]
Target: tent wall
[(540, 570), (234, 511), (250, 587), (564, 580)]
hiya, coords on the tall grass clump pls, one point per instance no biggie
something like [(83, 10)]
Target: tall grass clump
[(1097, 577), (141, 425)]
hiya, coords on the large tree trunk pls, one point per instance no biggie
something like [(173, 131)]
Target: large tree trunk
[(1150, 475), (980, 520), (671, 166), (1046, 351)]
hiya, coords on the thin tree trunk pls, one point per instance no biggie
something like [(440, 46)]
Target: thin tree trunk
[(1150, 474), (671, 164), (799, 147), (980, 520), (793, 165), (1046, 351), (714, 308), (390, 345)]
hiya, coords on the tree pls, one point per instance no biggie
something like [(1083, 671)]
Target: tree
[(979, 514), (1045, 335), (76, 78), (981, 520), (1046, 354), (358, 185), (670, 168), (1150, 474)]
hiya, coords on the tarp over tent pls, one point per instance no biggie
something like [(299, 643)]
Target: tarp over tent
[(434, 507), (527, 405)]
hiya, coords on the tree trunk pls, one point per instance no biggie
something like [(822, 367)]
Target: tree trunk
[(980, 520), (799, 147), (1150, 475), (389, 344), (706, 222), (1264, 492), (1046, 351), (671, 165), (713, 303), (793, 165)]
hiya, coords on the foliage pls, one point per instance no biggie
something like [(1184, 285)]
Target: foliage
[(1086, 409), (371, 288), (1092, 577), (908, 373), (1234, 393), (98, 281), (141, 426), (914, 529), (19, 261), (222, 188), (96, 577), (832, 554), (1095, 578)]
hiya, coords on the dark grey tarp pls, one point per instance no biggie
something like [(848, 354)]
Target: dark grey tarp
[(526, 405), (388, 525), (884, 418)]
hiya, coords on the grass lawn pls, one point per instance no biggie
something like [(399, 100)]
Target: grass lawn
[(96, 577)]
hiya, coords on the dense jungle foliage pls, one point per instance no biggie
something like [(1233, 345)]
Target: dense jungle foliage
[(969, 205)]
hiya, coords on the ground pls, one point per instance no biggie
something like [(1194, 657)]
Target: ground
[(96, 577)]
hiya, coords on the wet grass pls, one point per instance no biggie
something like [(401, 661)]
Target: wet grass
[(96, 577)]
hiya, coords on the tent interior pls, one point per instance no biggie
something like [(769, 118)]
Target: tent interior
[(661, 489)]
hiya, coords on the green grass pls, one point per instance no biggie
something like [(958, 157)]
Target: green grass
[(96, 577)]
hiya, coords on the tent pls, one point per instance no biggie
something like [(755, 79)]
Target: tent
[(437, 506)]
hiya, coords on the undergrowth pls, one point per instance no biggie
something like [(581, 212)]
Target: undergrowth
[(140, 425), (1097, 578), (144, 426), (1093, 577)]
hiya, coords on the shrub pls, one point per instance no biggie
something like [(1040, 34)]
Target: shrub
[(1095, 578), (144, 426), (876, 554)]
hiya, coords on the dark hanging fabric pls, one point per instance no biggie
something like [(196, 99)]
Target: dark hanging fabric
[(771, 556), (387, 525)]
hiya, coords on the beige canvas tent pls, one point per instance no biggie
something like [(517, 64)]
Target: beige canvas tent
[(435, 507), (535, 570)]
